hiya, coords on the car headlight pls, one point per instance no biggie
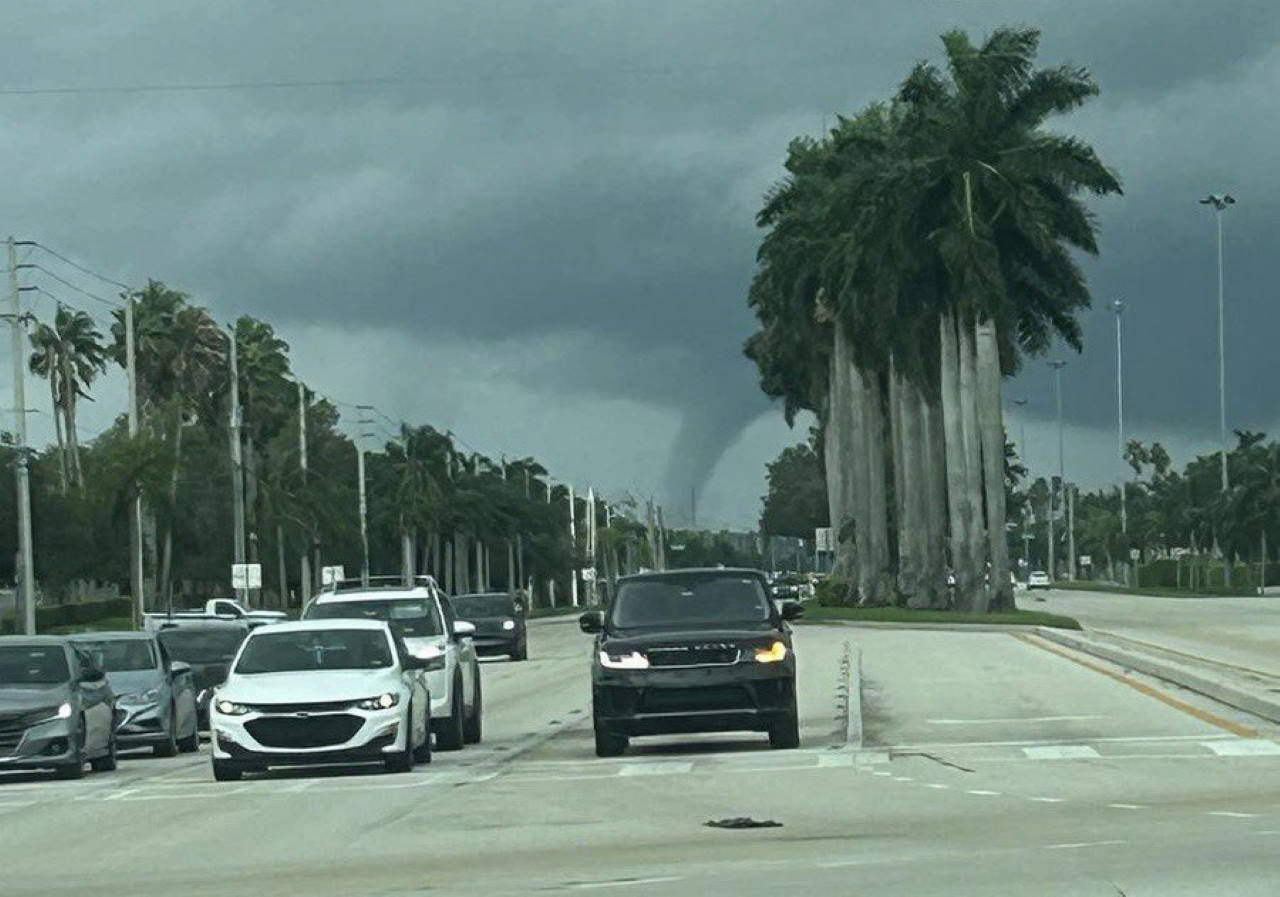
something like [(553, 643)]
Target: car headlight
[(150, 696), (632, 661), (381, 702), (230, 708), (63, 712), (772, 654), (508, 624)]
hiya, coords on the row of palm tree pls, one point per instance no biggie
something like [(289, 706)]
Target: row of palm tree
[(913, 256)]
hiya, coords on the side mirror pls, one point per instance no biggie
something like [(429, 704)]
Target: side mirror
[(178, 667), (792, 610), (591, 621), (462, 629)]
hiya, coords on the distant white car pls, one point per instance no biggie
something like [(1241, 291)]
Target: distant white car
[(327, 691), (1038, 580)]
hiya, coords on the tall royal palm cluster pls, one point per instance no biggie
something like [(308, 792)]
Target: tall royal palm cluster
[(913, 257)]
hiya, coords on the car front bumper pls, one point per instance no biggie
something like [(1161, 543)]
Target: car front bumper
[(42, 746), (141, 725), (351, 735), (741, 697), (498, 644)]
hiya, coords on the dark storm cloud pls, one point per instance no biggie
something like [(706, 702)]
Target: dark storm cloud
[(592, 166)]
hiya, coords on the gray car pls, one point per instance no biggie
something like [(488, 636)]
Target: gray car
[(57, 710), (157, 695)]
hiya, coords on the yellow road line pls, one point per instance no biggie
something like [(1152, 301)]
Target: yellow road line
[(1202, 715)]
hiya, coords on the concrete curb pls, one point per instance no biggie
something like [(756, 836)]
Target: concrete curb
[(942, 627), (1246, 699)]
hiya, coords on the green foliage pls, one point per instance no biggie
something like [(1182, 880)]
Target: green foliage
[(796, 503), (78, 615), (906, 615)]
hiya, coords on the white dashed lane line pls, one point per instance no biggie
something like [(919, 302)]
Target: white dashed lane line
[(1126, 806), (1229, 814), (1079, 844)]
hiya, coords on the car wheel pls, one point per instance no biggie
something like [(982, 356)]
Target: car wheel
[(450, 737), (223, 771), (609, 744), (423, 752), (402, 761), (108, 761), (474, 728), (168, 747), (191, 743), (785, 733), (521, 651), (75, 768)]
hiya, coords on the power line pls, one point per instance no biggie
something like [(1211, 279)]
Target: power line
[(80, 308), (66, 283), (36, 244)]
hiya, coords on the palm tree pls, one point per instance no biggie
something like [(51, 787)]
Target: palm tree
[(71, 355)]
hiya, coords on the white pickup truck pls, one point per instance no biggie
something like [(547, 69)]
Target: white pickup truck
[(215, 609)]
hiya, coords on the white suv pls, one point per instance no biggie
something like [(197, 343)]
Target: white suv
[(423, 617)]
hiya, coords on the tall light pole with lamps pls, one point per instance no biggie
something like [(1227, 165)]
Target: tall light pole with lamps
[(1220, 201), (1062, 481)]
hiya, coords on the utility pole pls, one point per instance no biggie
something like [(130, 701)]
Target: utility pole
[(1071, 531), (1026, 465), (237, 461), (1118, 307), (305, 570), (27, 579), (136, 578), (364, 503), (551, 580), (693, 507), (1062, 482), (573, 557)]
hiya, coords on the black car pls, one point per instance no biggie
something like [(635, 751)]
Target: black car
[(499, 619), (693, 651), (57, 710), (208, 646)]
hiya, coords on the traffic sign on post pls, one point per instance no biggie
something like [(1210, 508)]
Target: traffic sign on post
[(823, 540), (1135, 554), (589, 574), (246, 576), (330, 575), (1086, 560)]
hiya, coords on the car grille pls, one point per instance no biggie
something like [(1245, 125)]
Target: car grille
[(693, 655), (13, 725), (308, 732), (319, 707)]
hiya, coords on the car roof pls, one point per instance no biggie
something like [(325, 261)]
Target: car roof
[(320, 625), (116, 636), (402, 594), (202, 623), (32, 640), (683, 571)]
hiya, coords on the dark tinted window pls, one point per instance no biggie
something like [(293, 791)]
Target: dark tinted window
[(467, 606), (411, 617), (33, 665), (119, 656), (328, 649), (202, 645), (691, 599)]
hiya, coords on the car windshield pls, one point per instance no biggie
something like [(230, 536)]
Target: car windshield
[(202, 645), (33, 665), (122, 655), (411, 617), (689, 600), (468, 606), (323, 649)]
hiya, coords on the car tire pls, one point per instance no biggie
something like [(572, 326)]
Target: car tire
[(224, 771), (473, 729), (108, 761), (521, 651), (422, 753), (450, 735), (402, 761), (191, 743), (168, 747), (785, 733), (75, 768), (610, 745)]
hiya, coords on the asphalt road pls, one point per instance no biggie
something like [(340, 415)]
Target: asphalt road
[(1239, 631), (990, 765)]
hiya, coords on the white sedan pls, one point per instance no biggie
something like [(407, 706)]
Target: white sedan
[(324, 691), (1038, 580)]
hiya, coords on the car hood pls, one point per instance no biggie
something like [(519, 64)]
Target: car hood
[(308, 686), (132, 682), (21, 698), (639, 639)]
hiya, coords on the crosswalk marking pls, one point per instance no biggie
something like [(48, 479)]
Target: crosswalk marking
[(1061, 752), (665, 768), (1245, 747)]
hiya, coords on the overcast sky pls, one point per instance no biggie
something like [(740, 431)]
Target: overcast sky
[(537, 230)]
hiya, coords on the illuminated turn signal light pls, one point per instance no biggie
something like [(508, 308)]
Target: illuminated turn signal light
[(772, 654)]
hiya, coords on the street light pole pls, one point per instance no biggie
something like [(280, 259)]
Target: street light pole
[(237, 462), (1220, 203), (1026, 464), (1118, 307), (27, 578), (1057, 379)]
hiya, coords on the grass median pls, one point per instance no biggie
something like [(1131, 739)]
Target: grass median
[(906, 615), (1153, 591)]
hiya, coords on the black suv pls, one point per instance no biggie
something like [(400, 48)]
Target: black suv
[(693, 651)]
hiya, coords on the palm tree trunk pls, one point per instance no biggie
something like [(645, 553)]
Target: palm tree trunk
[(57, 425), (284, 570), (511, 566), (1000, 593), (903, 468), (166, 562), (974, 532), (69, 394), (935, 462), (406, 553), (448, 567), (878, 579), (958, 497), (839, 457)]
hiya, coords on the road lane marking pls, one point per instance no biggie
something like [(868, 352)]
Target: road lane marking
[(1268, 831), (903, 779), (1126, 806), (664, 768), (1106, 739), (1078, 844), (623, 882), (1061, 752), (1232, 815), (1013, 719), (981, 793), (1202, 715), (937, 785), (1048, 800), (1244, 748)]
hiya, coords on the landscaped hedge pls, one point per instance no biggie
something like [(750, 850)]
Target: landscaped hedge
[(1171, 573), (72, 614)]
